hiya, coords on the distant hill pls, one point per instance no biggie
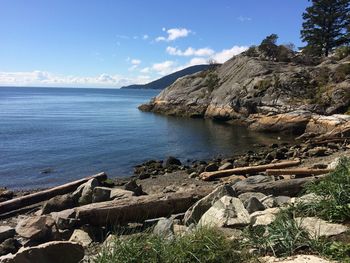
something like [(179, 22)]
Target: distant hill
[(166, 81)]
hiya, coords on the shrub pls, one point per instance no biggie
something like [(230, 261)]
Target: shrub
[(342, 52), (212, 80), (341, 72), (252, 52)]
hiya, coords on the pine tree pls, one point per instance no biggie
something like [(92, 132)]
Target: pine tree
[(325, 25)]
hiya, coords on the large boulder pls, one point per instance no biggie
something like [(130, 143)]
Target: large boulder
[(101, 194), (37, 228), (226, 212), (51, 252), (195, 212), (264, 218)]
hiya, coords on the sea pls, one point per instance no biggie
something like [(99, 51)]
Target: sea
[(50, 136)]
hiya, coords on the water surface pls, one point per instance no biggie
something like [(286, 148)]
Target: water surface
[(78, 132)]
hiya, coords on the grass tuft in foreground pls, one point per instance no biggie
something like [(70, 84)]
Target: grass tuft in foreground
[(204, 246)]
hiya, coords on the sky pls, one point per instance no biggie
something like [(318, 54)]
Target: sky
[(112, 43)]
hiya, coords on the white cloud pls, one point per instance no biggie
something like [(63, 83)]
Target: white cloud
[(244, 19), (135, 61), (164, 68), (202, 52), (145, 37), (226, 54), (173, 34), (145, 70), (47, 79)]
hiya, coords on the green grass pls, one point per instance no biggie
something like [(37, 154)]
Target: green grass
[(283, 237), (202, 246), (335, 192)]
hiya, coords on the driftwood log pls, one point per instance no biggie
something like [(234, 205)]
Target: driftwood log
[(287, 187), (298, 171), (207, 176), (44, 195), (138, 209)]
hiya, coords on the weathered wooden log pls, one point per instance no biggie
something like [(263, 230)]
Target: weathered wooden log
[(207, 176), (298, 171), (138, 209), (287, 187), (44, 195)]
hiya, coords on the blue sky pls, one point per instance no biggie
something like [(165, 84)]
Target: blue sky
[(110, 43)]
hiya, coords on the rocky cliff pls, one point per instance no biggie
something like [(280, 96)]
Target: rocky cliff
[(263, 94)]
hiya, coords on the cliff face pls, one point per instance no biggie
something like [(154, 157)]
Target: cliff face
[(265, 95)]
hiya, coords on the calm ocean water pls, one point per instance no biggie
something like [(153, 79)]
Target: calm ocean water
[(78, 132)]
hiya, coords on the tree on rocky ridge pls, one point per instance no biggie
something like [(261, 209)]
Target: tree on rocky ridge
[(325, 26)]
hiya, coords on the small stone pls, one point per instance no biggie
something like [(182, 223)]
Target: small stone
[(81, 237), (193, 175), (134, 187), (212, 167), (253, 204)]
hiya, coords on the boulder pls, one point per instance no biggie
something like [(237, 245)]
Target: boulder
[(117, 193), (319, 228), (51, 252), (264, 218), (37, 228), (164, 228), (269, 202), (59, 203), (172, 161), (6, 232), (253, 204), (101, 194), (195, 212), (81, 237), (306, 199), (84, 192), (282, 200), (10, 245), (226, 212)]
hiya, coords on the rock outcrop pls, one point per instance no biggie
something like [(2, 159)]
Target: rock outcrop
[(264, 95)]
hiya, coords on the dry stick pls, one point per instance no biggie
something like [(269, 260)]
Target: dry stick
[(44, 195), (138, 209), (207, 176), (298, 171)]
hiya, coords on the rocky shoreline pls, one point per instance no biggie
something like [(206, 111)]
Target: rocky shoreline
[(57, 220)]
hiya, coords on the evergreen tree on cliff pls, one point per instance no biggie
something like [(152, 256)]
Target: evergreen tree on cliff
[(325, 26)]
